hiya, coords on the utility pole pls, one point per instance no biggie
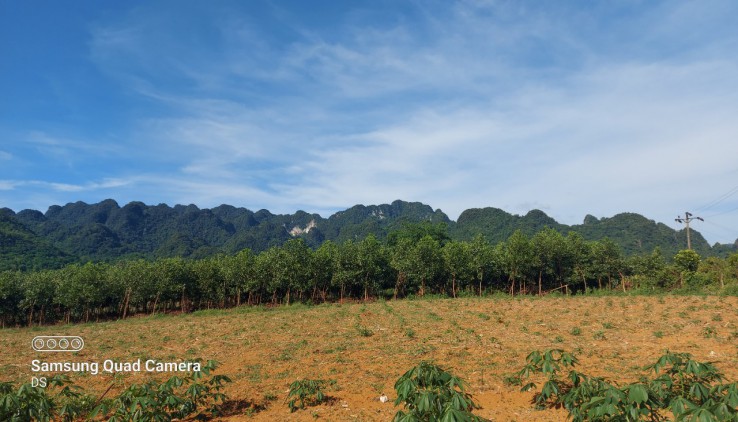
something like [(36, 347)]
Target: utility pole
[(687, 218)]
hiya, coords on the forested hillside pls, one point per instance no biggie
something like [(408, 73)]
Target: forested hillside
[(80, 232), (20, 248)]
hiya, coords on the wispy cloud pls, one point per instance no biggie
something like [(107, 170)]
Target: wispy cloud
[(64, 187), (610, 108)]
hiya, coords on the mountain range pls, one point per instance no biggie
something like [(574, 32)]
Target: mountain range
[(105, 231)]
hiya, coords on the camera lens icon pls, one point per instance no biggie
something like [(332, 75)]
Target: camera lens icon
[(38, 343), (57, 343)]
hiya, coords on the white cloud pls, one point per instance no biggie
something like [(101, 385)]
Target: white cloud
[(476, 105), (64, 187)]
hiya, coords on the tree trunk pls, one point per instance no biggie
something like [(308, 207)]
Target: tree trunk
[(540, 284), (156, 301), (584, 279), (512, 285), (453, 285), (30, 315), (125, 304), (366, 289), (400, 280)]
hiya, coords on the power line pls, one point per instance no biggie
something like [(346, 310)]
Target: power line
[(720, 199), (723, 229), (724, 212)]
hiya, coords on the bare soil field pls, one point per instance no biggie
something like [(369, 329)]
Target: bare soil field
[(362, 348)]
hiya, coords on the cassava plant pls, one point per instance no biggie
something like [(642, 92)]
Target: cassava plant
[(29, 403), (549, 363), (583, 396), (308, 392), (179, 397), (690, 390), (694, 390), (430, 393)]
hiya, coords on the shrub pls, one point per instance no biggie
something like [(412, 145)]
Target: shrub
[(689, 389), (29, 403), (430, 393), (694, 390), (179, 397), (308, 392), (363, 331)]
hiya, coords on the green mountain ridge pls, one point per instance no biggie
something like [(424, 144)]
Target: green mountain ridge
[(106, 231), (21, 248)]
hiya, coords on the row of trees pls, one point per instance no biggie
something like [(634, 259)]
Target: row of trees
[(416, 260)]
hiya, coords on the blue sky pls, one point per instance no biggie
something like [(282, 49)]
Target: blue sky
[(575, 108)]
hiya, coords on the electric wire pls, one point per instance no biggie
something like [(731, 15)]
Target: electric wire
[(723, 213), (720, 199), (723, 229)]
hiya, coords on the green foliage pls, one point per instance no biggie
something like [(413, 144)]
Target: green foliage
[(430, 393), (549, 363), (687, 260), (29, 403), (22, 249), (517, 257), (694, 390), (177, 398), (689, 389), (80, 232), (418, 259), (308, 392), (458, 263), (363, 331), (426, 263), (416, 231), (551, 258), (372, 262)]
